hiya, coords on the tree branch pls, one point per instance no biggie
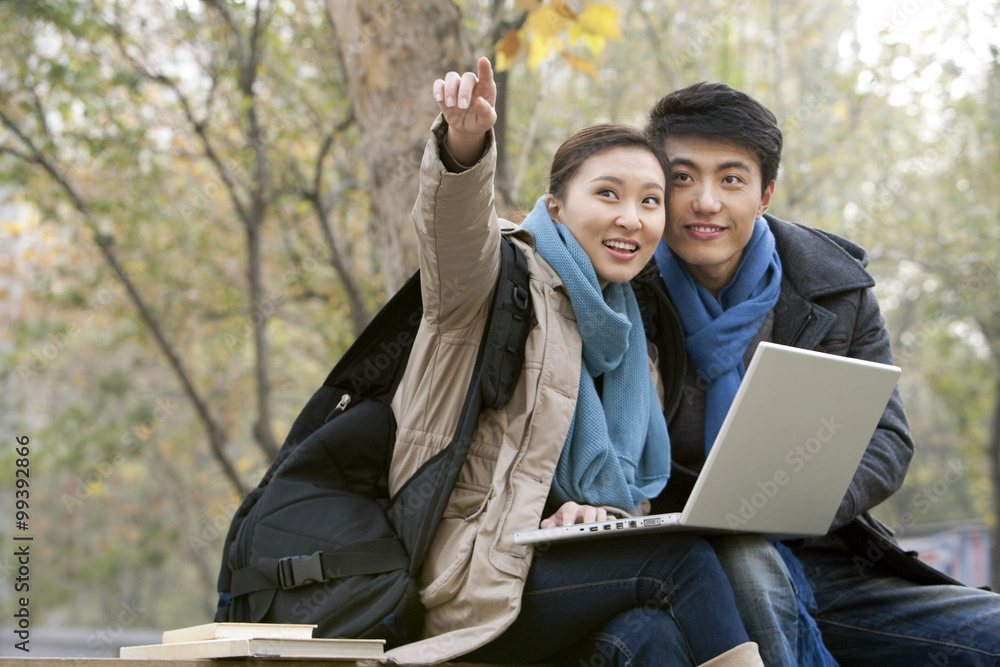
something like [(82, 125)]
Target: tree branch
[(359, 310), (249, 63), (199, 126), (252, 213), (657, 47), (217, 437), (529, 142)]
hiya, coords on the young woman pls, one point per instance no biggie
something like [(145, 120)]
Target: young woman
[(583, 435)]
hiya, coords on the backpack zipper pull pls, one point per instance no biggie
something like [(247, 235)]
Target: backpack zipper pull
[(345, 401)]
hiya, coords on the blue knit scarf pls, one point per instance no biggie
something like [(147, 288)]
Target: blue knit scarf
[(718, 331), (617, 451)]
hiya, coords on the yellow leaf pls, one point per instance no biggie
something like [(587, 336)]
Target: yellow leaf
[(96, 489), (563, 8), (600, 20), (143, 432), (509, 45), (594, 43), (546, 22), (527, 5), (538, 50), (502, 63), (581, 64), (131, 473)]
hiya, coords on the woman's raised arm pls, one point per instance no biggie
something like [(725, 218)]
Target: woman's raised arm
[(458, 233)]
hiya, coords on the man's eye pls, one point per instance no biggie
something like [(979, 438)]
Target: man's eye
[(682, 177), (732, 180)]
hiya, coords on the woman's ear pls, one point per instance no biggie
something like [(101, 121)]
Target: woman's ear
[(554, 208)]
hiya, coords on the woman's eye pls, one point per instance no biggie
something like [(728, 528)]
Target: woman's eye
[(606, 192), (652, 199)]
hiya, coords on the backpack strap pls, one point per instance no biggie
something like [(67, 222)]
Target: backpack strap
[(372, 557), (507, 330)]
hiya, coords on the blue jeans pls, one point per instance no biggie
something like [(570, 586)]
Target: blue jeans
[(866, 617), (764, 595), (655, 600), (873, 619)]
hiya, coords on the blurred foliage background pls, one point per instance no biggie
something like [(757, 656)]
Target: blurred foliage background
[(203, 201)]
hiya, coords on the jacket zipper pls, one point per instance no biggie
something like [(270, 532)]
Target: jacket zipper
[(341, 407)]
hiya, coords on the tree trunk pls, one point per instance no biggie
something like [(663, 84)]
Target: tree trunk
[(504, 194), (994, 454), (391, 51), (503, 185)]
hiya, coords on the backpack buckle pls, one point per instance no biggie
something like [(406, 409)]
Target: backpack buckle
[(295, 571)]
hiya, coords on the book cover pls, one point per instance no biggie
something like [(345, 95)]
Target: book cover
[(258, 648), (205, 631)]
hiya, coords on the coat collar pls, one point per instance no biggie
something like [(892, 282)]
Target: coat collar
[(817, 263), (814, 265)]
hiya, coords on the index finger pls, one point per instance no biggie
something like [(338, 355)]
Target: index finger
[(485, 71)]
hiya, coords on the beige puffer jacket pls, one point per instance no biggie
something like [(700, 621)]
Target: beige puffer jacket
[(474, 574)]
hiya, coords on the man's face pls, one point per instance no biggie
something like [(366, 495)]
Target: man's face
[(716, 198)]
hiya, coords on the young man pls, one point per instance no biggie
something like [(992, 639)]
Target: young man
[(727, 277)]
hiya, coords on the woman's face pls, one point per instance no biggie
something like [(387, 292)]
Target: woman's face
[(615, 208)]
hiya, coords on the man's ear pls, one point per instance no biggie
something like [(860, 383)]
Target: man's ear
[(765, 199), (554, 208)]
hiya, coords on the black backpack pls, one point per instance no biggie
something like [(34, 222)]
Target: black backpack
[(320, 540)]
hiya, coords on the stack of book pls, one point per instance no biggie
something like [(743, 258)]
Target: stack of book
[(252, 640)]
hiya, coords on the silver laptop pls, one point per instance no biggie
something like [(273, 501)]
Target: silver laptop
[(784, 456)]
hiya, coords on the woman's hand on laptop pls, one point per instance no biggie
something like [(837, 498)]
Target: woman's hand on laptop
[(571, 513)]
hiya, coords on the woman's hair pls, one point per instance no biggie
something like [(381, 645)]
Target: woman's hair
[(591, 141)]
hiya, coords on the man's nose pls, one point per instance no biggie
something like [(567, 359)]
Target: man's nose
[(707, 200)]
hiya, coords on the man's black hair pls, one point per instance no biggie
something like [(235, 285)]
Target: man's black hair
[(720, 112)]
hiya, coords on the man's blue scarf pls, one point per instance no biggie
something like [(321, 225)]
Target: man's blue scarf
[(718, 333), (719, 330), (617, 451)]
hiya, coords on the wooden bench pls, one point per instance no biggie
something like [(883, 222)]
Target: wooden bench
[(116, 662)]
